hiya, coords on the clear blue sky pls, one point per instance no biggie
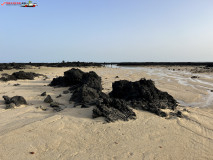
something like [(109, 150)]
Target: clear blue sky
[(107, 30)]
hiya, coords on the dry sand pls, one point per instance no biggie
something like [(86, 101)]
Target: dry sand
[(73, 134)]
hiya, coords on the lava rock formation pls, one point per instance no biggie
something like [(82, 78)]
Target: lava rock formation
[(17, 100), (20, 75), (142, 94)]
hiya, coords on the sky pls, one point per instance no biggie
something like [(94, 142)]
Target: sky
[(107, 31)]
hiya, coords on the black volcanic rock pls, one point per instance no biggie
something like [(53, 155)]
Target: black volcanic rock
[(20, 75), (56, 106), (8, 78), (66, 92), (113, 110), (24, 75), (6, 99), (73, 76), (44, 94), (85, 95), (76, 78), (194, 77), (143, 95), (10, 106), (92, 80), (48, 99), (87, 91), (17, 100)]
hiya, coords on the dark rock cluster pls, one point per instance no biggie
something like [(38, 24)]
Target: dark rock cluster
[(8, 66), (76, 78), (20, 75), (142, 94), (113, 109), (85, 95), (14, 101)]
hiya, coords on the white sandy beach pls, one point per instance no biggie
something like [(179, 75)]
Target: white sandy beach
[(73, 134)]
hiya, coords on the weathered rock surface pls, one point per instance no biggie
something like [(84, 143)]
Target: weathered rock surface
[(48, 99), (20, 75), (44, 94), (113, 110), (87, 91), (66, 92), (10, 106), (143, 94), (76, 78), (17, 100), (85, 95), (56, 106)]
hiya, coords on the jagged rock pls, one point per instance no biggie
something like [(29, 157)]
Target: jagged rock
[(71, 77), (48, 99), (116, 77), (87, 91), (143, 95), (44, 94), (113, 110), (74, 87), (76, 78), (17, 100), (85, 94), (92, 80), (59, 81)]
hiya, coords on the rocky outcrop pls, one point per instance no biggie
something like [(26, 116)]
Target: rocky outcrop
[(143, 95), (85, 95), (77, 78), (20, 75), (87, 91), (16, 100), (113, 110)]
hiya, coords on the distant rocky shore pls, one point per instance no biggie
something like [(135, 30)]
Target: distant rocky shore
[(198, 67), (8, 66)]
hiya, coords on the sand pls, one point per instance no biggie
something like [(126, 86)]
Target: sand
[(73, 134)]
